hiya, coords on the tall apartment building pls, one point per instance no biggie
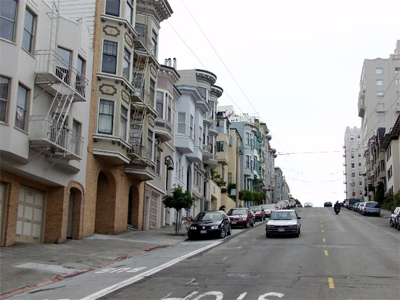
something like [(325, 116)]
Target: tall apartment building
[(353, 164), (46, 66), (378, 107)]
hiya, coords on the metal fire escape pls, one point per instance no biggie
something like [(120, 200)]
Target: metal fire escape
[(49, 134)]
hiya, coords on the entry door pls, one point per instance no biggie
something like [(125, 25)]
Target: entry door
[(30, 215)]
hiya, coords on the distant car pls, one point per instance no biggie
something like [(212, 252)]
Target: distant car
[(259, 212), (308, 204), (345, 203), (299, 205), (392, 220), (360, 207), (355, 206), (285, 221), (328, 204), (268, 208), (370, 208), (210, 224), (241, 217)]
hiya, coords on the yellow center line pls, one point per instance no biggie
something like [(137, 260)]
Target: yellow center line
[(322, 231), (322, 225), (326, 252), (330, 282), (323, 240)]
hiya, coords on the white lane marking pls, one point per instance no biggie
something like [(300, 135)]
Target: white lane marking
[(241, 297), (225, 258), (136, 278)]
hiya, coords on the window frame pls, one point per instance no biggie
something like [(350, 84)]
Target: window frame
[(5, 101), (32, 36), (160, 104), (13, 21), (130, 4), (109, 55), (127, 64), (110, 12), (181, 123), (123, 132), (25, 109), (100, 114)]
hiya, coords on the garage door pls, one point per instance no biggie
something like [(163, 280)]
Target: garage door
[(30, 215)]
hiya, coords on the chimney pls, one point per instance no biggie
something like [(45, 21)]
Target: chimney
[(166, 61), (169, 62), (175, 65)]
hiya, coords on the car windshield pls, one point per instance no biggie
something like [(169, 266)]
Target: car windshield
[(208, 216), (372, 204), (283, 216), (236, 212), (255, 208)]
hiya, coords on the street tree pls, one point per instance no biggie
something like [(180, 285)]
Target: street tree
[(178, 200)]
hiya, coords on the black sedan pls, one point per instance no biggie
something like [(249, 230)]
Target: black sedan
[(210, 224), (328, 204)]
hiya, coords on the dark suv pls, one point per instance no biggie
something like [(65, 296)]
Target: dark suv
[(328, 204)]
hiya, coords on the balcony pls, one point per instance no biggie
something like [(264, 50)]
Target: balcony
[(54, 139), (141, 165), (112, 148), (211, 161), (184, 143), (163, 130), (223, 158), (213, 129), (55, 76), (196, 155)]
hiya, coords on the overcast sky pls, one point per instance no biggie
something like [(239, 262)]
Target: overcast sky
[(294, 64)]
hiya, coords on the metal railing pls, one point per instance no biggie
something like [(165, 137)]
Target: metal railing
[(48, 61), (61, 137), (139, 150)]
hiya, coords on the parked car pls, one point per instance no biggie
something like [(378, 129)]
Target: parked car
[(345, 203), (259, 213), (360, 207), (284, 221), (397, 221), (268, 208), (351, 203), (355, 206), (328, 204), (299, 205), (210, 224), (395, 212), (370, 208), (241, 217), (308, 204)]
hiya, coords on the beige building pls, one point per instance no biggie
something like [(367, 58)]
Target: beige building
[(45, 95)]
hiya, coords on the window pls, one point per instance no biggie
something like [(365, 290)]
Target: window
[(4, 97), (129, 11), (191, 126), (152, 92), (22, 107), (380, 107), (75, 139), (247, 161), (380, 94), (154, 38), (169, 103), (8, 13), (109, 57), (141, 30), (397, 70), (247, 138), (29, 31), (397, 81), (63, 70), (181, 123), (80, 76), (112, 7), (220, 146), (200, 135), (158, 161), (160, 104), (378, 71), (379, 82), (106, 116), (123, 123), (381, 118), (127, 64), (150, 143)]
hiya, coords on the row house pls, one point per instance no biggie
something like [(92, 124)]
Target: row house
[(378, 108), (281, 188), (46, 67), (195, 135)]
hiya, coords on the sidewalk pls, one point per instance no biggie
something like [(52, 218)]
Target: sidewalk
[(24, 266)]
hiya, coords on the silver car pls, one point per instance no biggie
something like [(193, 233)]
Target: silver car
[(370, 208), (392, 220), (283, 222)]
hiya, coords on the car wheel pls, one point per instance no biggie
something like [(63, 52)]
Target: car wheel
[(391, 223), (223, 233)]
